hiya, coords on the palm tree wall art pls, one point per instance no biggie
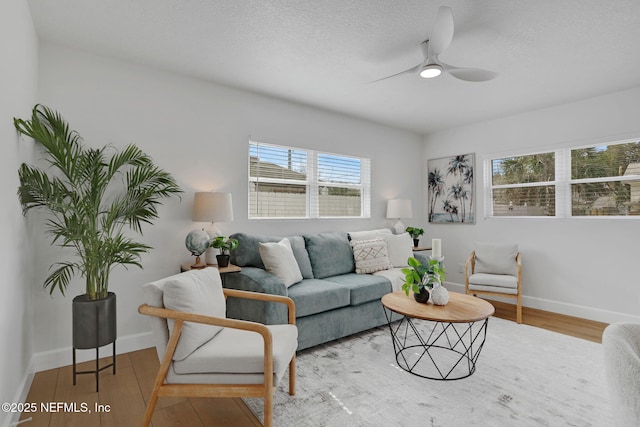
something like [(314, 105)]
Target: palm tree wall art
[(450, 189)]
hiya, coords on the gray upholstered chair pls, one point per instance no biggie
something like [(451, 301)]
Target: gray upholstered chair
[(621, 346), (204, 354), (495, 269)]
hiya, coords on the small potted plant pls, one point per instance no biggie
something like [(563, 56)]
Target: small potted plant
[(415, 233), (420, 278), (224, 244)]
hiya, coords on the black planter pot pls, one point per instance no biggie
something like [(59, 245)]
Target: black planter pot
[(416, 242), (94, 322), (423, 296), (94, 325), (223, 260)]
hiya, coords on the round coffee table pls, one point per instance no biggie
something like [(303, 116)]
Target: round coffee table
[(448, 345)]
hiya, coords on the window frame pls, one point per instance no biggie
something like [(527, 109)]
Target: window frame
[(313, 184), (562, 183)]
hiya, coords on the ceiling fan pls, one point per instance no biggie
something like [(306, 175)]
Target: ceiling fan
[(438, 41)]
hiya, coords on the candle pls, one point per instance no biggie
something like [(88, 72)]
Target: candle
[(436, 248)]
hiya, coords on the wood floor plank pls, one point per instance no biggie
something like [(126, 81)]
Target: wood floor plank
[(43, 389), (82, 395), (568, 325), (122, 395)]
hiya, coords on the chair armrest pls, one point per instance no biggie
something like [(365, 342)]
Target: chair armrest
[(469, 267), (200, 318), (265, 297), (180, 317)]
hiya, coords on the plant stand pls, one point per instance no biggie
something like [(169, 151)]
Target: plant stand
[(94, 326)]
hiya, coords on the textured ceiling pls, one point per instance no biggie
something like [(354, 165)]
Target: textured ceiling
[(323, 52)]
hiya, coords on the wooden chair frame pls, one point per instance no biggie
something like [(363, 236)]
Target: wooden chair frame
[(469, 269), (264, 390)]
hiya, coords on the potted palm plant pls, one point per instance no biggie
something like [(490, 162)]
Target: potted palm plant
[(91, 198), (224, 244)]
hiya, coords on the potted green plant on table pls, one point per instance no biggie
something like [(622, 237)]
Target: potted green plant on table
[(224, 244), (415, 234), (91, 197), (421, 278)]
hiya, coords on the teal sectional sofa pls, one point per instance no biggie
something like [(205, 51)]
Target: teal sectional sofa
[(332, 301)]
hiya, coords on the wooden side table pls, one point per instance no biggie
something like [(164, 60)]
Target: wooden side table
[(420, 248), (231, 268)]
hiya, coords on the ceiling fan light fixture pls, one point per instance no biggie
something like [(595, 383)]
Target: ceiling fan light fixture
[(430, 71)]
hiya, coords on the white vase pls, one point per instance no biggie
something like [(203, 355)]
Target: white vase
[(439, 294)]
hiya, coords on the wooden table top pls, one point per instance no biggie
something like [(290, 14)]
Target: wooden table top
[(460, 308)]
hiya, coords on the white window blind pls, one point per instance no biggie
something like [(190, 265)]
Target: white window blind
[(595, 180), (523, 185), (289, 182)]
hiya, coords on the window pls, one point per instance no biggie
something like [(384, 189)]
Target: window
[(524, 185), (605, 180), (600, 180), (288, 182)]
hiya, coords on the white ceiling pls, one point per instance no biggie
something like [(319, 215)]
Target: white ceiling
[(324, 52)]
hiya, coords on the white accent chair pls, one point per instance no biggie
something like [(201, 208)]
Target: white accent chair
[(621, 346), (495, 269), (204, 354)]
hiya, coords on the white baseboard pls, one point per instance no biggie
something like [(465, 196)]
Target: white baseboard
[(21, 395), (567, 309), (63, 356)]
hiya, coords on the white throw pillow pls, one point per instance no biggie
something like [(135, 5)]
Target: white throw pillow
[(370, 255), (278, 260), (400, 247), (197, 292)]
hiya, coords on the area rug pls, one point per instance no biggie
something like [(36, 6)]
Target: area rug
[(525, 376)]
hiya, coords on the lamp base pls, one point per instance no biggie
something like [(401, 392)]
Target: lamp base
[(399, 227)]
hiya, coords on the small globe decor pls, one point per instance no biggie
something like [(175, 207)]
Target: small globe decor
[(197, 242)]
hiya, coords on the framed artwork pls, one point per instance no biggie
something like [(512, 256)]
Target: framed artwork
[(451, 189)]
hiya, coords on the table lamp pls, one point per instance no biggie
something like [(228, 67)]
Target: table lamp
[(397, 209), (212, 207)]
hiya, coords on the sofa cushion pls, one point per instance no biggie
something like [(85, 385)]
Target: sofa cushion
[(370, 255), (302, 256), (363, 287), (330, 254), (239, 351), (313, 296), (248, 255), (279, 260), (496, 258), (199, 292), (400, 248)]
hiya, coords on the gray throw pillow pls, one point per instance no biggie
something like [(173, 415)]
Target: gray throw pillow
[(330, 254)]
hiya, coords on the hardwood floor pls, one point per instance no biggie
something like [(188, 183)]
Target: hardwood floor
[(126, 392)]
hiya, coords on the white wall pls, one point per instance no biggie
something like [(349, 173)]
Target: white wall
[(582, 267), (199, 132), (18, 85)]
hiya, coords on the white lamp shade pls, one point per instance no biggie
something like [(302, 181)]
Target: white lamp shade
[(212, 207), (399, 208)]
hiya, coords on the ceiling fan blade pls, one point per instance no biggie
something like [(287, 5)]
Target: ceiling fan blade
[(469, 74), (442, 31), (410, 70)]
